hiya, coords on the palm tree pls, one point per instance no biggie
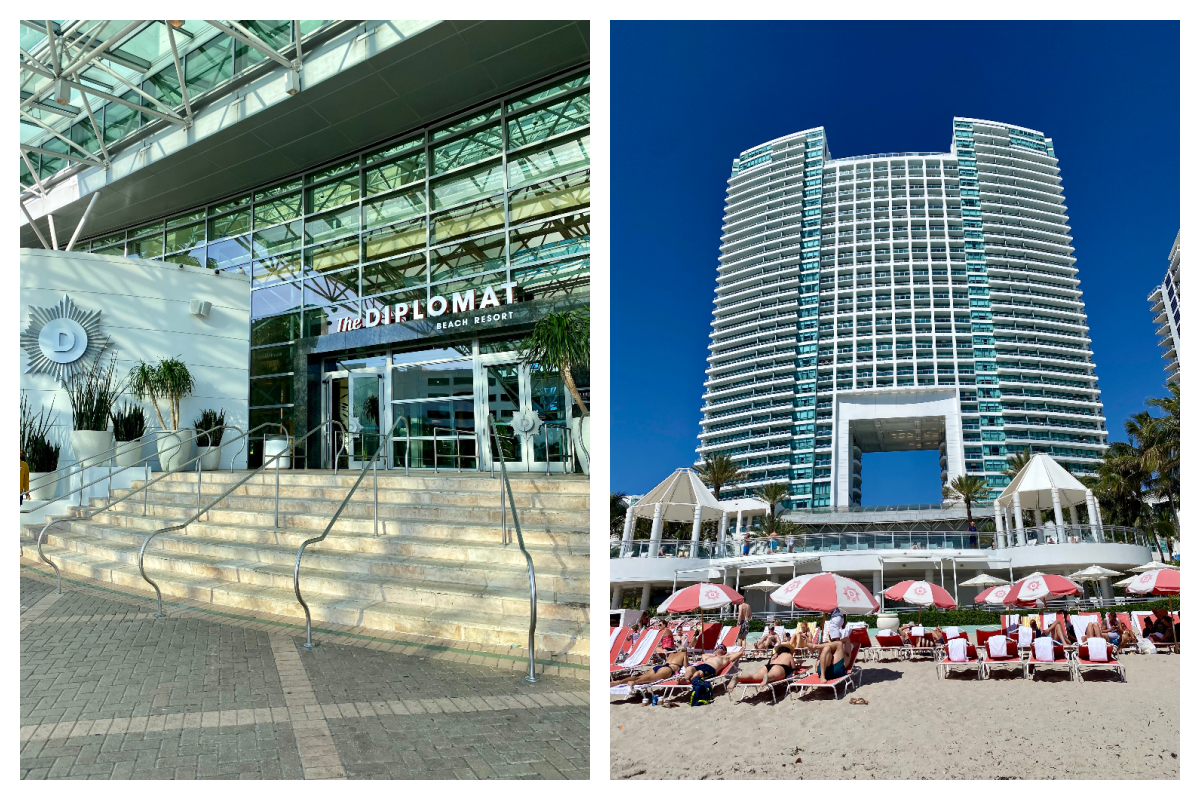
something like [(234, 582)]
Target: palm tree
[(616, 513), (772, 494), (1161, 449), (561, 340), (1017, 462), (969, 489), (1120, 485), (717, 470)]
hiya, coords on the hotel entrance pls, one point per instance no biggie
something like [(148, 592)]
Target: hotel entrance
[(354, 399)]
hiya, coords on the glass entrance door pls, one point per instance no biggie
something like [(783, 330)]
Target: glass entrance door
[(522, 391), (363, 416)]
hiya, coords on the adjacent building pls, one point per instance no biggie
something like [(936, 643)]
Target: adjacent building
[(898, 301), (1164, 303)]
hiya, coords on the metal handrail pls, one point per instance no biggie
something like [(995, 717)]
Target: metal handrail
[(145, 489), (384, 441), (532, 677), (458, 437), (569, 452), (289, 451)]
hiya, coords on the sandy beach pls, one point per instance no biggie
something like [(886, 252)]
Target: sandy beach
[(917, 726)]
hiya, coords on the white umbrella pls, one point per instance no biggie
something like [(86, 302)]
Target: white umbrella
[(1093, 573), (1148, 567), (1126, 582), (984, 580), (766, 586)]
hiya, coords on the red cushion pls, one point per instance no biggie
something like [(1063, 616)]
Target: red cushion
[(981, 635)]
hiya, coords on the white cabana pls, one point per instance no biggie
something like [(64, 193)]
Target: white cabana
[(1043, 485), (682, 497)]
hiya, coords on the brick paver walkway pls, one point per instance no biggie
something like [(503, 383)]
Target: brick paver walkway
[(107, 691)]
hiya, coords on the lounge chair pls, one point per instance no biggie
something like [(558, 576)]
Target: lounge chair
[(1009, 623), (991, 658), (945, 665), (919, 645), (893, 645), (982, 636), (1139, 622), (677, 685), (1084, 661), (618, 639), (746, 684), (1059, 660), (639, 658), (727, 637), (811, 681)]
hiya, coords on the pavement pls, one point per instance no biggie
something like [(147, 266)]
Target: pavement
[(108, 691)]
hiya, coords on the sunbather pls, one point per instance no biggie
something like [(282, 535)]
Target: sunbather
[(667, 643), (833, 658), (781, 665), (1160, 627), (712, 664), (799, 639), (661, 668), (1117, 632), (768, 640)]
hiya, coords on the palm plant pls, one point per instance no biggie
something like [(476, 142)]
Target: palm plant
[(93, 394), (39, 453), (1120, 486), (168, 380), (129, 424), (718, 470), (1017, 462), (616, 513), (772, 494), (207, 421), (1161, 449), (968, 489), (561, 340)]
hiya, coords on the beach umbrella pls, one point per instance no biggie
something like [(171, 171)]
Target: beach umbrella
[(825, 591), (920, 594), (1093, 574), (1028, 591), (1148, 567), (1125, 583), (1157, 581), (984, 580), (997, 595), (700, 596)]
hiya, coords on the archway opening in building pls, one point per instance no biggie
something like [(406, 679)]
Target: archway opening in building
[(902, 477)]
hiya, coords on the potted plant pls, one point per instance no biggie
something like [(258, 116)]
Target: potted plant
[(40, 454), (93, 395), (209, 444), (129, 426), (561, 340), (169, 380)]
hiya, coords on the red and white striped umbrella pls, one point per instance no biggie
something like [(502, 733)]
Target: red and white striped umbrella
[(996, 595), (826, 591), (1028, 591), (1156, 581), (700, 596), (920, 593)]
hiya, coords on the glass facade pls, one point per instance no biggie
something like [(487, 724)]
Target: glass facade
[(894, 272)]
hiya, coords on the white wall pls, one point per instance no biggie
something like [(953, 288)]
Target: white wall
[(145, 312)]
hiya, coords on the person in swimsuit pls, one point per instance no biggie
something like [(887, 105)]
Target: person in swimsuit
[(712, 664), (781, 665), (661, 668), (769, 639), (743, 623), (1117, 632), (833, 658)]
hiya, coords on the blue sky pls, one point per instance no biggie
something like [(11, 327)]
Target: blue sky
[(687, 97)]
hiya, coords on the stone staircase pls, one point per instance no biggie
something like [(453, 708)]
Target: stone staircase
[(438, 567)]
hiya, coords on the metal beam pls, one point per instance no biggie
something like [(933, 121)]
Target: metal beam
[(68, 156), (37, 179), (53, 47), (112, 98), (68, 111), (41, 238), (247, 38), (95, 53), (82, 220), (53, 232), (187, 102), (46, 127), (99, 133), (296, 39)]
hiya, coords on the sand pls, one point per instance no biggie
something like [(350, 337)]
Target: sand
[(917, 726)]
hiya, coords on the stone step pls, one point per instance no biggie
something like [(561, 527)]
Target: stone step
[(508, 594), (467, 624), (522, 483), (360, 552)]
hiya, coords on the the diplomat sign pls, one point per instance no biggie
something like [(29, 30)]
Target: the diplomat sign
[(458, 303)]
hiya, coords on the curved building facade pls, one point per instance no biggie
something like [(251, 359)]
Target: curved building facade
[(898, 301)]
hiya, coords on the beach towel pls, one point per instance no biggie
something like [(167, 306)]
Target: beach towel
[(1025, 637), (781, 632), (612, 636), (887, 632), (850, 625), (722, 635), (957, 650), (1048, 620), (642, 652), (998, 647), (916, 630), (1043, 648), (1080, 622), (624, 688), (1097, 649), (951, 632)]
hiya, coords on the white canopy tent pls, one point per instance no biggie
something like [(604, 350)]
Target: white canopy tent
[(1043, 485), (682, 497)]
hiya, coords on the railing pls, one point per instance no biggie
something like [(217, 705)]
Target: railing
[(567, 453), (384, 442), (145, 499), (882, 540), (532, 676), (289, 452), (457, 438)]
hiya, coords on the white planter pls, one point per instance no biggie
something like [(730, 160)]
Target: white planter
[(581, 433), (46, 492), (210, 458), (130, 453), (88, 445), (176, 448), (274, 445), (888, 621)]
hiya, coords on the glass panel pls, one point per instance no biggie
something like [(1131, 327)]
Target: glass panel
[(504, 396), (193, 258), (260, 416), (275, 32), (229, 204), (229, 253), (335, 288), (331, 225), (484, 215), (394, 274), (395, 239), (278, 299), (463, 124), (560, 279), (470, 185), (187, 236), (391, 299), (208, 65), (229, 224), (395, 173), (549, 91), (164, 87), (468, 257), (364, 414), (154, 227), (276, 240), (544, 241), (283, 328), (149, 247), (272, 361), (329, 172), (550, 197), (333, 255), (275, 191), (270, 212), (546, 162), (467, 149), (271, 391), (553, 119), (83, 135), (331, 195), (393, 207), (321, 321), (48, 165), (425, 381), (191, 216), (478, 283), (395, 150), (547, 395), (115, 250)]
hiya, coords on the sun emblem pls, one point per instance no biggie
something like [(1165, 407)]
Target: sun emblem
[(63, 340)]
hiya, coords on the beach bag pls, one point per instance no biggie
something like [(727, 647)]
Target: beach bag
[(701, 692), (1146, 647)]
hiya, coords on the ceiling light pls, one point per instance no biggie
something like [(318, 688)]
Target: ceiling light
[(175, 23)]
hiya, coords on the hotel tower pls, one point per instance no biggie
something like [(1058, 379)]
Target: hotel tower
[(898, 301)]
